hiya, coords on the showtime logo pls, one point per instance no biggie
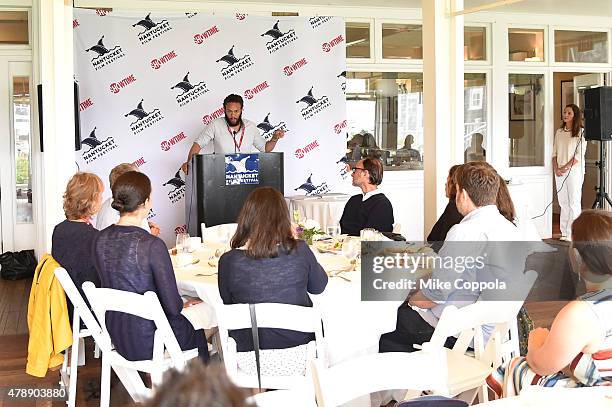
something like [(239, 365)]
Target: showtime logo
[(139, 162), (327, 46), (199, 38), (301, 152), (86, 104), (116, 87), (250, 93), (241, 16), (214, 115), (102, 12), (158, 62), (180, 229), (290, 69), (338, 127), (75, 23), (166, 145)]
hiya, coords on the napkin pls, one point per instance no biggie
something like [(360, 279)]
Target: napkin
[(201, 316)]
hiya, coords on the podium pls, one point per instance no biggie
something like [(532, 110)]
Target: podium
[(218, 185)]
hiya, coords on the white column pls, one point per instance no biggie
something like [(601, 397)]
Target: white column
[(443, 100), (56, 76)]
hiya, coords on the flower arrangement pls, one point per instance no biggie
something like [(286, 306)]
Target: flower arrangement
[(307, 229)]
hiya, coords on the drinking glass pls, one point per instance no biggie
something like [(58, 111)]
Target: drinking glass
[(333, 231), (367, 234), (182, 242), (350, 248)]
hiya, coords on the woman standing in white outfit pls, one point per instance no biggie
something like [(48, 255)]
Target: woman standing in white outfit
[(569, 148)]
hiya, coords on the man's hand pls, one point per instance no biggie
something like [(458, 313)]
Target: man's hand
[(154, 228), (185, 168), (278, 134)]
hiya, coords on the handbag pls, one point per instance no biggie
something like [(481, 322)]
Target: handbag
[(17, 265)]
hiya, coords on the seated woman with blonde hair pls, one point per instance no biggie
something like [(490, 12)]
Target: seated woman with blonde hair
[(577, 351), (73, 237)]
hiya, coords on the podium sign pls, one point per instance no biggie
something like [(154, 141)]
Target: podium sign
[(218, 185)]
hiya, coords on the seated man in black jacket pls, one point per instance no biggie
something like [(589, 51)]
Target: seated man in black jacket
[(371, 208)]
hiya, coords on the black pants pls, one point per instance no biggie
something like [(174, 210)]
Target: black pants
[(410, 329)]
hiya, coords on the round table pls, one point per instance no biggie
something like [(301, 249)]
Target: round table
[(352, 327), (326, 209)]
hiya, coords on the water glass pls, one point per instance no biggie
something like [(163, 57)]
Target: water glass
[(367, 234), (350, 248), (182, 242), (333, 231)]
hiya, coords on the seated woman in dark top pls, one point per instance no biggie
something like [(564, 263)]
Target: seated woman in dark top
[(129, 258), (73, 237), (371, 208), (450, 217), (268, 265)]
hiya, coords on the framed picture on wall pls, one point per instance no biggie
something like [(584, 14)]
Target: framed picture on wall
[(567, 94), (522, 103)]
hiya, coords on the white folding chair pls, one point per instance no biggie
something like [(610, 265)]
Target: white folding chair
[(270, 315), (81, 311), (166, 351), (219, 233)]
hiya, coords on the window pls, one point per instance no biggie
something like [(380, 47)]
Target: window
[(14, 27), (526, 119), (475, 117), (385, 118), (358, 40), (23, 156), (475, 44), (402, 41), (526, 44), (581, 46)]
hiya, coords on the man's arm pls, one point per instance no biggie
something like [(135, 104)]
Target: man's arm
[(419, 300), (270, 144), (195, 148)]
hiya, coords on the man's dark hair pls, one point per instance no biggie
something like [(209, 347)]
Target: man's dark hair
[(199, 386), (375, 169), (233, 99), (480, 180)]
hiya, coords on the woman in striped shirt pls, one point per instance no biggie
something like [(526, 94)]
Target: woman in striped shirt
[(577, 351)]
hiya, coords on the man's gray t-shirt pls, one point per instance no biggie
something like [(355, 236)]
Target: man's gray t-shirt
[(223, 138)]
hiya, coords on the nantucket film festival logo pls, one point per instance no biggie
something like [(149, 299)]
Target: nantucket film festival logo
[(342, 77), (177, 187), (312, 105), (152, 29), (104, 56), (313, 189), (189, 91), (268, 128), (316, 22), (234, 65), (144, 119), (344, 169), (97, 148), (278, 39), (241, 169)]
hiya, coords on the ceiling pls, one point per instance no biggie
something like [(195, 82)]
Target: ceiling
[(601, 8)]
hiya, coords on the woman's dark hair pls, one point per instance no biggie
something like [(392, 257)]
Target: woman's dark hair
[(233, 99), (375, 169), (592, 237), (130, 191), (452, 190), (264, 224), (577, 121)]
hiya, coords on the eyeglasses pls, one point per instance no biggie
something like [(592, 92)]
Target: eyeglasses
[(357, 168)]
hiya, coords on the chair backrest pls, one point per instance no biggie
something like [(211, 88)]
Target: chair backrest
[(371, 373), (467, 322), (146, 306), (220, 233), (81, 308), (269, 315)]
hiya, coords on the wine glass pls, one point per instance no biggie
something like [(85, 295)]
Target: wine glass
[(182, 242), (333, 231)]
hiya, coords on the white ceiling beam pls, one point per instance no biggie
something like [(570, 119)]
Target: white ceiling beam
[(484, 7)]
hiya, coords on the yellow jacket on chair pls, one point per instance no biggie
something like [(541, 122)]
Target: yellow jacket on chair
[(48, 320)]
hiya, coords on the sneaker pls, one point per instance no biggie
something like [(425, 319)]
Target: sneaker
[(565, 239)]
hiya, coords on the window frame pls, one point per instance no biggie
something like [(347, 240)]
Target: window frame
[(553, 56)]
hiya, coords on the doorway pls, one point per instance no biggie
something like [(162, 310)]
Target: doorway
[(17, 215)]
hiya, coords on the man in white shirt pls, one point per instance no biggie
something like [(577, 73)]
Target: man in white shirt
[(477, 187), (107, 215), (232, 134)]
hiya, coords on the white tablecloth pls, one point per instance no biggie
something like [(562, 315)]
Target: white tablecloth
[(326, 209), (351, 327)]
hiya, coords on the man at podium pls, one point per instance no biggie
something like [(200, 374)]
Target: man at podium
[(232, 134)]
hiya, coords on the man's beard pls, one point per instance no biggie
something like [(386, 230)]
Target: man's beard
[(236, 121)]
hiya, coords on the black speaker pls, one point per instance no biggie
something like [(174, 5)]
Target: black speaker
[(77, 117), (598, 113)]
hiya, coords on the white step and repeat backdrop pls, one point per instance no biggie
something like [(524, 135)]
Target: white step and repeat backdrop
[(150, 82)]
